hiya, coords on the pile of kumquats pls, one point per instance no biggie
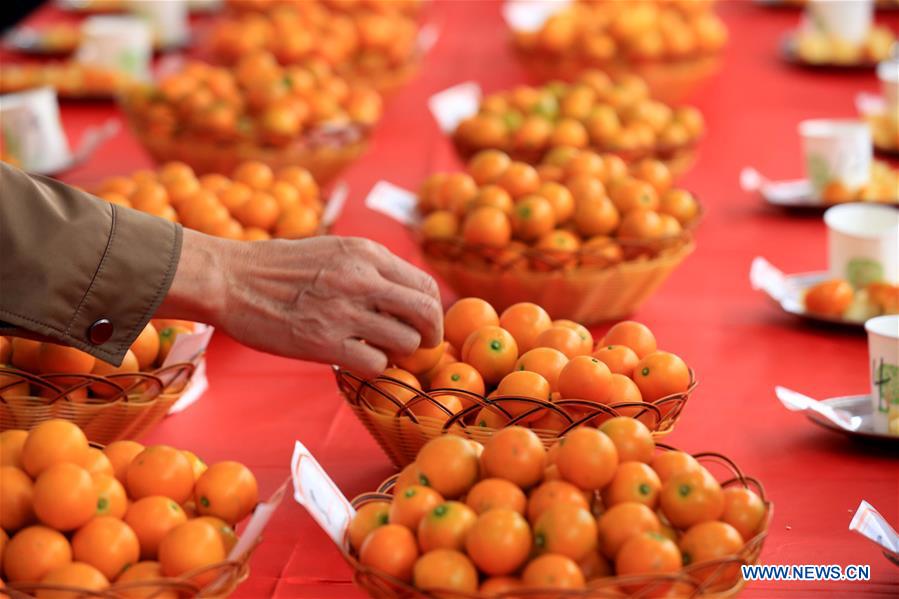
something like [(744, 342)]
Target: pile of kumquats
[(357, 40), (576, 209), (147, 353), (596, 111), (257, 100), (523, 354), (90, 518), (255, 203), (836, 298), (511, 515), (598, 32)]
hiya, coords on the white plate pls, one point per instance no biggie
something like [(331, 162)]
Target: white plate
[(856, 405), (787, 292)]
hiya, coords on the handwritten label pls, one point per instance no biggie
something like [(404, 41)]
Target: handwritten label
[(314, 490), (453, 105), (396, 202)]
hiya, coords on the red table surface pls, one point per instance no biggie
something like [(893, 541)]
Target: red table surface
[(738, 343)]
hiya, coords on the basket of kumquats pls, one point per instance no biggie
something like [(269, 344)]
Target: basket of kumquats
[(673, 45), (213, 118), (374, 43), (119, 521), (582, 234), (256, 202), (518, 368), (597, 112), (603, 513), (42, 381)]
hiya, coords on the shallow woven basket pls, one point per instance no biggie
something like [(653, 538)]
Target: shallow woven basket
[(668, 80), (323, 152), (401, 434), (139, 401), (585, 294), (231, 574), (383, 586)]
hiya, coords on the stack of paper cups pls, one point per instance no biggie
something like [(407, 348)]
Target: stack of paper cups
[(168, 20), (119, 43), (848, 20), (32, 130)]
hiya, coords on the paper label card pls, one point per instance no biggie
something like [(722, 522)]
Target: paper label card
[(868, 522), (335, 204), (530, 15), (453, 105), (315, 491), (394, 201)]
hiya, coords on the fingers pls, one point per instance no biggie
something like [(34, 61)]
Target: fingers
[(388, 334), (420, 310), (361, 358)]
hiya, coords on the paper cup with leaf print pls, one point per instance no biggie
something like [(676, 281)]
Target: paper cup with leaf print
[(883, 366), (836, 151), (168, 20), (848, 20), (863, 243), (32, 130), (120, 43)]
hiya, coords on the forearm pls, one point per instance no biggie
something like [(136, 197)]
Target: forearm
[(198, 290)]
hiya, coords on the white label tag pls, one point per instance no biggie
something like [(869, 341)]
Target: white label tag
[(427, 37), (397, 203), (257, 523), (870, 524), (451, 106), (314, 490), (530, 15), (335, 204)]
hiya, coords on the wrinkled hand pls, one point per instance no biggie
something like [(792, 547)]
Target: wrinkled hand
[(340, 300)]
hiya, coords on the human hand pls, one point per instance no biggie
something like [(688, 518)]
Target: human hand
[(340, 300)]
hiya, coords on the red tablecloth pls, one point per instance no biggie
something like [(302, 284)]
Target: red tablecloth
[(737, 342)]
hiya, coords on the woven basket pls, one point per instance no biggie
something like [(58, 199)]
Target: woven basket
[(138, 401), (587, 295), (382, 586), (231, 574), (401, 434), (323, 152), (670, 81)]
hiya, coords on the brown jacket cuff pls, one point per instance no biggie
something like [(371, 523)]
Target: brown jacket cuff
[(70, 260)]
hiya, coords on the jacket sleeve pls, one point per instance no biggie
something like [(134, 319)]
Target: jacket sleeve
[(77, 269)]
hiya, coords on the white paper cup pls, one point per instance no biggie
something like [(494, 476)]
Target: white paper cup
[(862, 243), (121, 43), (849, 20), (836, 150), (883, 353), (32, 130), (888, 73), (168, 20)]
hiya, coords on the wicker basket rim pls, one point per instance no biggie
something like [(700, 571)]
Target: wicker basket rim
[(626, 266)]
